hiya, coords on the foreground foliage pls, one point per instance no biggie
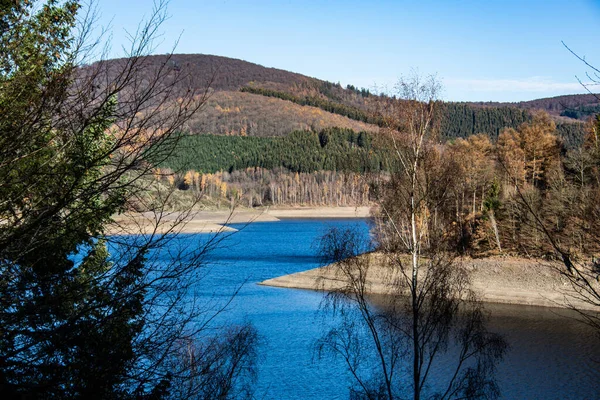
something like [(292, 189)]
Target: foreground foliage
[(82, 314)]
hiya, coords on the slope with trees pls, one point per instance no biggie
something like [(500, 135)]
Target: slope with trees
[(233, 110), (245, 114), (332, 149)]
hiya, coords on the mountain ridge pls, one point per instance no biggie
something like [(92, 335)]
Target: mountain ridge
[(247, 98)]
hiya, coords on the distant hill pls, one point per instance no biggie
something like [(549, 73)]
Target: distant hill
[(248, 99), (221, 73), (574, 106), (230, 111), (269, 136)]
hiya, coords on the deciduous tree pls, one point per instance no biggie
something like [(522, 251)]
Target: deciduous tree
[(429, 306)]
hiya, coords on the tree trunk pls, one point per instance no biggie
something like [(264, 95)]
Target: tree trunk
[(495, 228), (414, 293)]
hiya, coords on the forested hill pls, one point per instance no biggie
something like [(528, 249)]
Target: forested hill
[(221, 73), (248, 99), (575, 106), (229, 111), (269, 136)]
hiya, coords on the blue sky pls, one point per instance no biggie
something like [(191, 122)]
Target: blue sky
[(481, 50)]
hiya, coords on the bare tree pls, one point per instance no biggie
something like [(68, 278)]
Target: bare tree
[(376, 337), (428, 308), (592, 74)]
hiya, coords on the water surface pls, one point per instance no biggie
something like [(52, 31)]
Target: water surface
[(551, 355)]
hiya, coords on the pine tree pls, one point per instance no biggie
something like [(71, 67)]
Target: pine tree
[(77, 307)]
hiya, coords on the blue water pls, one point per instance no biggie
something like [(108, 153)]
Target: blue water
[(286, 319), (551, 356)]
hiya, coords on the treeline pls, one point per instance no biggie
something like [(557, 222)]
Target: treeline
[(581, 112), (360, 92), (456, 120), (314, 101), (493, 195), (254, 187), (332, 149)]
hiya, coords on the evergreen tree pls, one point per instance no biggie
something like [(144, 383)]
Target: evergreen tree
[(81, 317)]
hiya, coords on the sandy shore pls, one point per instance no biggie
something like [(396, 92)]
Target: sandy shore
[(215, 221), (495, 280), (320, 212)]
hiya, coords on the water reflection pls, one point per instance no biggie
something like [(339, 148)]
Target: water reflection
[(551, 355)]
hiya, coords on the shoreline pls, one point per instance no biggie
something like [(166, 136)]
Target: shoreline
[(213, 221), (498, 280)]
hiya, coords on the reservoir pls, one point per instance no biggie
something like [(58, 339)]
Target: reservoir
[(551, 355)]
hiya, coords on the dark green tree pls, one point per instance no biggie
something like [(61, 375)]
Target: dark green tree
[(83, 314)]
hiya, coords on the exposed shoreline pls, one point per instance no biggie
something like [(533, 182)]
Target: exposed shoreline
[(217, 220), (503, 280), (495, 280)]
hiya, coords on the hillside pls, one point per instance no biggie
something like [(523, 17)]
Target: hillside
[(266, 136), (248, 99), (574, 106), (220, 73), (235, 113)]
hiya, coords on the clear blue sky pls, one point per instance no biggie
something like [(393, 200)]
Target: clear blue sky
[(481, 50)]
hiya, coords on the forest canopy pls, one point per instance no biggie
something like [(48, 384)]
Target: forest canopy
[(332, 149)]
